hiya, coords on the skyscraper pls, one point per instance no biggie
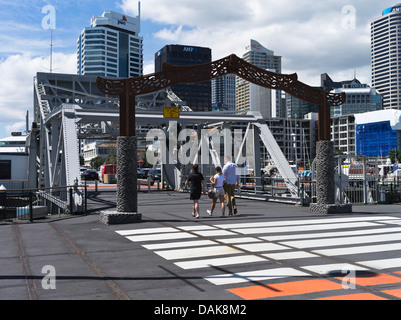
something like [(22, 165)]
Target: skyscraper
[(252, 97), (223, 93), (111, 46), (386, 56), (196, 95)]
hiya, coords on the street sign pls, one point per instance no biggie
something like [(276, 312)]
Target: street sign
[(171, 112)]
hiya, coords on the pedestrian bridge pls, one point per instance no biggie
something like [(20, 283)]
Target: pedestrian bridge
[(69, 109)]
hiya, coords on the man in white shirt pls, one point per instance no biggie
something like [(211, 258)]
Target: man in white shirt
[(230, 183)]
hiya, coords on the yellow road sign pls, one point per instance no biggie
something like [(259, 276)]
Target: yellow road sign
[(171, 112)]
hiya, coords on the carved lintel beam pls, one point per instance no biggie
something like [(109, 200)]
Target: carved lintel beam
[(128, 88)]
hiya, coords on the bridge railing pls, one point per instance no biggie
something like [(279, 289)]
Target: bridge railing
[(32, 204)]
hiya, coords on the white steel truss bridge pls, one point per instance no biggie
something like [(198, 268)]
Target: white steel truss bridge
[(70, 108)]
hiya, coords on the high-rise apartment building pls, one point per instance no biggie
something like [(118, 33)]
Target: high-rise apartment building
[(111, 47), (386, 56), (223, 93), (254, 98), (359, 98), (196, 95)]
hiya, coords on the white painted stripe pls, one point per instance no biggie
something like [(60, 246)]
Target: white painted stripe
[(382, 264), (360, 249), (306, 228), (259, 275), (196, 252), (214, 233), (146, 231), (301, 222), (240, 240), (290, 255), (201, 227), (397, 221), (160, 237), (259, 247), (183, 244), (331, 234), (219, 262), (334, 268), (343, 241)]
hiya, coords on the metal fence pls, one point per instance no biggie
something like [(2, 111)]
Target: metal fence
[(358, 180), (31, 204)]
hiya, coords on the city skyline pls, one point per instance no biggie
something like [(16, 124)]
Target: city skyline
[(312, 38)]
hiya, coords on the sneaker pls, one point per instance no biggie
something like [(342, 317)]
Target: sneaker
[(209, 212)]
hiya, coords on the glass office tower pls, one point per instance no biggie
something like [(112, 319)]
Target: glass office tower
[(386, 56), (197, 95), (111, 47)]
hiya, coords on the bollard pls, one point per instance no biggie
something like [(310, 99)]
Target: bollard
[(71, 202), (86, 199), (30, 207)]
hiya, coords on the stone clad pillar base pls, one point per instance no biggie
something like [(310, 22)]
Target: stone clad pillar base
[(325, 187), (127, 198)]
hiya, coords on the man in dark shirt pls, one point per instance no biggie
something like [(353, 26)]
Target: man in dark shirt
[(197, 183)]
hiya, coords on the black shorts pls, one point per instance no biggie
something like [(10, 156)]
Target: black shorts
[(195, 194)]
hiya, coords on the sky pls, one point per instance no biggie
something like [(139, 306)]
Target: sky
[(312, 36)]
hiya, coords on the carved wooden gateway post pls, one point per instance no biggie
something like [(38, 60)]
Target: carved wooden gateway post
[(129, 88)]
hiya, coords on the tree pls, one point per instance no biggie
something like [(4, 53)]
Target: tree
[(97, 162), (395, 155)]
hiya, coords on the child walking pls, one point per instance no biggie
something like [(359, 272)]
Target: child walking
[(217, 181)]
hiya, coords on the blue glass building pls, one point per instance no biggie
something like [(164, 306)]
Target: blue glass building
[(375, 139), (378, 132)]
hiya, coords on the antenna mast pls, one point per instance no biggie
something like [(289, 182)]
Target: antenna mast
[(51, 50)]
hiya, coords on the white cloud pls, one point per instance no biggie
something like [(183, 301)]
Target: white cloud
[(169, 34), (313, 37), (16, 91), (148, 67)]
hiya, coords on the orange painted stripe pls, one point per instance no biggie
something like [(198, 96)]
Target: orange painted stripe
[(355, 296), (374, 279), (285, 289), (394, 292), (398, 272)]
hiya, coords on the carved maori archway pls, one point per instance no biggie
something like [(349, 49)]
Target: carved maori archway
[(128, 88)]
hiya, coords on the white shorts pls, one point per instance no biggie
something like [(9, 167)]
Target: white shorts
[(219, 192)]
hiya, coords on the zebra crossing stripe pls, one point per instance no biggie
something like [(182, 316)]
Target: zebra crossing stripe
[(289, 255), (196, 264), (303, 222), (329, 242), (359, 249), (145, 231), (333, 226), (258, 275), (382, 263), (160, 236), (330, 234), (333, 268), (197, 252), (178, 244)]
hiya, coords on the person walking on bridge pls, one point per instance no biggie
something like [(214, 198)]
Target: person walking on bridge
[(217, 181), (230, 183), (197, 184)]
